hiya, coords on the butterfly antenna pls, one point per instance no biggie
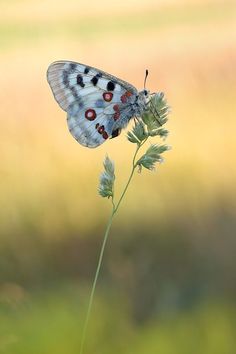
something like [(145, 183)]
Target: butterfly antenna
[(145, 79)]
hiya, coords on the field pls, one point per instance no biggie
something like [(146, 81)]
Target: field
[(168, 279)]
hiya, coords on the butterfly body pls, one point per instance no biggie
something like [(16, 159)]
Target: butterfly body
[(98, 105)]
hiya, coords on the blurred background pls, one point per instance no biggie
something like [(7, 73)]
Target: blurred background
[(167, 283)]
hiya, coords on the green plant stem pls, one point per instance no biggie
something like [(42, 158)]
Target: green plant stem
[(95, 279), (114, 210), (129, 180)]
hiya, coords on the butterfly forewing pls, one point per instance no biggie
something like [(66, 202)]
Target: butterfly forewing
[(97, 103)]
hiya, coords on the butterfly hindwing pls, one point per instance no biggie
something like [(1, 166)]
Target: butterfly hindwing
[(97, 104), (89, 127)]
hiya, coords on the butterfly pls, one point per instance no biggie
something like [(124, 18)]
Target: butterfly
[(98, 105)]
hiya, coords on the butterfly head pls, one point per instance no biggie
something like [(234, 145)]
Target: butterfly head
[(146, 104), (144, 98)]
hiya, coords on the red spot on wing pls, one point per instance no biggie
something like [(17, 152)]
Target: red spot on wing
[(105, 135), (90, 114), (107, 96), (117, 110), (101, 129), (116, 115), (123, 99), (125, 96), (116, 107)]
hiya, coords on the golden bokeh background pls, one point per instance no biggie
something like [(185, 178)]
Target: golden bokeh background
[(168, 280)]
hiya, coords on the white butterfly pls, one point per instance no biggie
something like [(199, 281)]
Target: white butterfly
[(98, 105)]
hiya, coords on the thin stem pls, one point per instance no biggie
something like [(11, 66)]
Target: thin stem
[(95, 279), (114, 210), (131, 174), (129, 180)]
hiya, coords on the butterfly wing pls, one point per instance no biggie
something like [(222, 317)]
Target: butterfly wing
[(97, 104)]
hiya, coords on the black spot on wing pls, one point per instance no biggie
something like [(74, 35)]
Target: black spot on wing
[(95, 79), (110, 86), (79, 80), (86, 70), (115, 133)]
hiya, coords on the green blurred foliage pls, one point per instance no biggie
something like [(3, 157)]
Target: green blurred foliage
[(48, 322)]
